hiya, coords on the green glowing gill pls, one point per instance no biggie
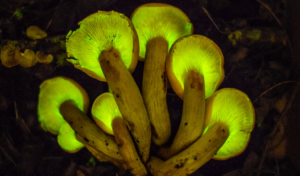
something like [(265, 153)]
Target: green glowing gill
[(67, 140), (200, 54), (53, 92), (234, 108), (97, 32), (104, 110), (168, 22)]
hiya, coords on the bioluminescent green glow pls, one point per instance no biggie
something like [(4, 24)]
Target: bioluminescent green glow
[(99, 31), (233, 108), (160, 20), (198, 53), (53, 92), (104, 110), (67, 140)]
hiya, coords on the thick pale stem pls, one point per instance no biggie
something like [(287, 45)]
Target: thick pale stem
[(192, 120), (127, 148), (193, 157), (101, 156), (128, 98), (89, 131), (154, 89)]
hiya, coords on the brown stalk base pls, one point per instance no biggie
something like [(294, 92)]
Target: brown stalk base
[(89, 131), (127, 148), (128, 98), (154, 89), (192, 120), (193, 157)]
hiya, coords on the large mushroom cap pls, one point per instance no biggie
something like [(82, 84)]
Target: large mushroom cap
[(197, 53), (104, 110), (53, 92), (67, 140), (99, 31), (157, 19), (234, 108)]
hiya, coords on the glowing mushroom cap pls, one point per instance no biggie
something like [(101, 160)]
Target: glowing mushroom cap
[(100, 31), (53, 92), (234, 108), (67, 140), (198, 53), (158, 19), (104, 110), (10, 55)]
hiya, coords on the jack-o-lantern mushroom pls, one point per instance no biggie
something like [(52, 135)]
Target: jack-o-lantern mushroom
[(107, 116), (63, 100), (229, 120), (106, 48), (195, 70), (158, 27)]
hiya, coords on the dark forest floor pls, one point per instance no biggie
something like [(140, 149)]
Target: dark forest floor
[(258, 65)]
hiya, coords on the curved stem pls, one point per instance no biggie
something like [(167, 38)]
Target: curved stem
[(154, 89), (89, 131), (127, 148), (193, 157), (192, 120)]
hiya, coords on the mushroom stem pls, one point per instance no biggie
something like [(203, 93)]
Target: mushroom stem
[(88, 130), (101, 156), (154, 89), (193, 157), (192, 120), (127, 148), (128, 98)]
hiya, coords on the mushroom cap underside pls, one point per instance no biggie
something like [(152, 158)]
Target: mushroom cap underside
[(100, 31), (197, 53), (67, 140), (159, 20), (234, 108), (53, 92), (104, 110)]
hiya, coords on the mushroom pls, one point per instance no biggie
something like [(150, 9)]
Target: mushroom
[(158, 26), (34, 32), (107, 116), (67, 140), (229, 122), (10, 55), (28, 59), (63, 100), (195, 70), (44, 58), (106, 48)]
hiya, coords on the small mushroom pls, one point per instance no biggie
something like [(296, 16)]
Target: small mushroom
[(44, 58), (10, 55), (195, 70), (34, 32), (158, 25), (107, 116), (28, 59)]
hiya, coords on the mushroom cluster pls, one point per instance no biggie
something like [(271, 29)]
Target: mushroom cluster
[(126, 122)]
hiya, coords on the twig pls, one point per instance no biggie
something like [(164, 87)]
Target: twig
[(285, 110), (270, 10), (271, 88), (212, 20)]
